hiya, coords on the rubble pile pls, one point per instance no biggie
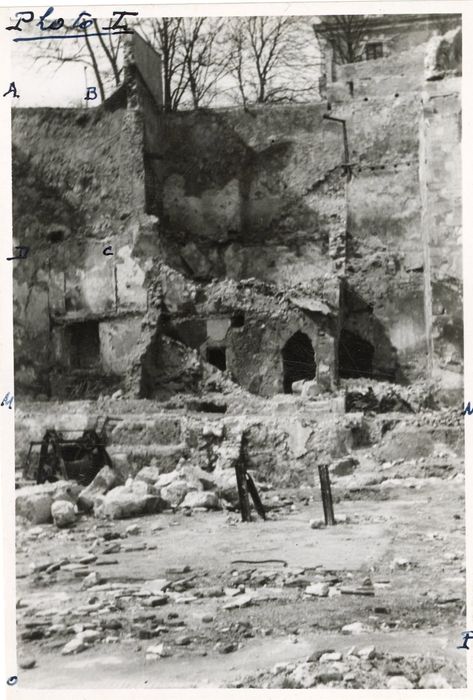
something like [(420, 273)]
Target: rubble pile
[(384, 397), (361, 667)]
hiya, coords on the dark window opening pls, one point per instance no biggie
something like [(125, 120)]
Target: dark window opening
[(217, 357), (238, 320), (84, 343), (298, 360), (206, 406), (56, 236), (355, 356), (373, 51)]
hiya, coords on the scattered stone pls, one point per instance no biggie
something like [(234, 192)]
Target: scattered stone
[(176, 570), (157, 601), (200, 499), (316, 524), (88, 559), (225, 647), (63, 513), (207, 617), (399, 683), (133, 529), (355, 628), (214, 592), (183, 641), (239, 601), (318, 589), (74, 646), (400, 563), (367, 652), (89, 636), (158, 650), (112, 548), (26, 662), (93, 579), (331, 656)]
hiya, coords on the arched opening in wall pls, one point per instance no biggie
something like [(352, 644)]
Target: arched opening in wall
[(298, 360), (355, 356)]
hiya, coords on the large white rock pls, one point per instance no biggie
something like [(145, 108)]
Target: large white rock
[(434, 680), (200, 499), (34, 503), (198, 478), (63, 513), (175, 492), (355, 628), (226, 485), (166, 479), (66, 491), (319, 589), (106, 479), (123, 502), (74, 646), (149, 474)]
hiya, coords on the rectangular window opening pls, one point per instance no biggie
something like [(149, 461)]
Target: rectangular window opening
[(84, 344), (373, 51), (217, 357)]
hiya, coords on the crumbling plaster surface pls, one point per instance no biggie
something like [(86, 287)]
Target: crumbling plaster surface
[(242, 195), (440, 181), (245, 194), (78, 186)]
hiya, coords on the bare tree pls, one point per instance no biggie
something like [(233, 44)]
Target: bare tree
[(344, 34), (192, 59), (103, 54), (205, 59), (271, 59)]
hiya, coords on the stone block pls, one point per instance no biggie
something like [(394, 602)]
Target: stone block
[(63, 513)]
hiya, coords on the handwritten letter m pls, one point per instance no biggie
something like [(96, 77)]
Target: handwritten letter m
[(468, 409)]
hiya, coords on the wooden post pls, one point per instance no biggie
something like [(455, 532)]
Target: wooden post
[(243, 491), (326, 492)]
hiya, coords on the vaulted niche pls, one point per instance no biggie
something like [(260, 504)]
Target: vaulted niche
[(298, 360)]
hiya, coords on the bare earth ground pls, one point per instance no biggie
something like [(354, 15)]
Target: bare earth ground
[(414, 620)]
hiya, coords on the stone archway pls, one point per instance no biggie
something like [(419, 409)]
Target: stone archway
[(298, 360)]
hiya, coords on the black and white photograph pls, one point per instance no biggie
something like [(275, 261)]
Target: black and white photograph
[(238, 329)]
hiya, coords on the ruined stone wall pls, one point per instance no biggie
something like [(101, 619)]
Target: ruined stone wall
[(78, 185), (404, 246), (250, 194), (384, 282), (440, 182)]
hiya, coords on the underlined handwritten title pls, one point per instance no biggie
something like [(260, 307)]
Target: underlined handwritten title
[(56, 28)]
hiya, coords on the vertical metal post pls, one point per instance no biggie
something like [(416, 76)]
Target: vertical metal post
[(326, 492)]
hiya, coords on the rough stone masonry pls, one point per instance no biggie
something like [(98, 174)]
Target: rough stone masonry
[(239, 242)]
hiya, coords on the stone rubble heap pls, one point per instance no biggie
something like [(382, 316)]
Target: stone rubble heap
[(187, 487)]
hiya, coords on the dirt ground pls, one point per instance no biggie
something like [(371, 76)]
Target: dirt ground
[(169, 608)]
